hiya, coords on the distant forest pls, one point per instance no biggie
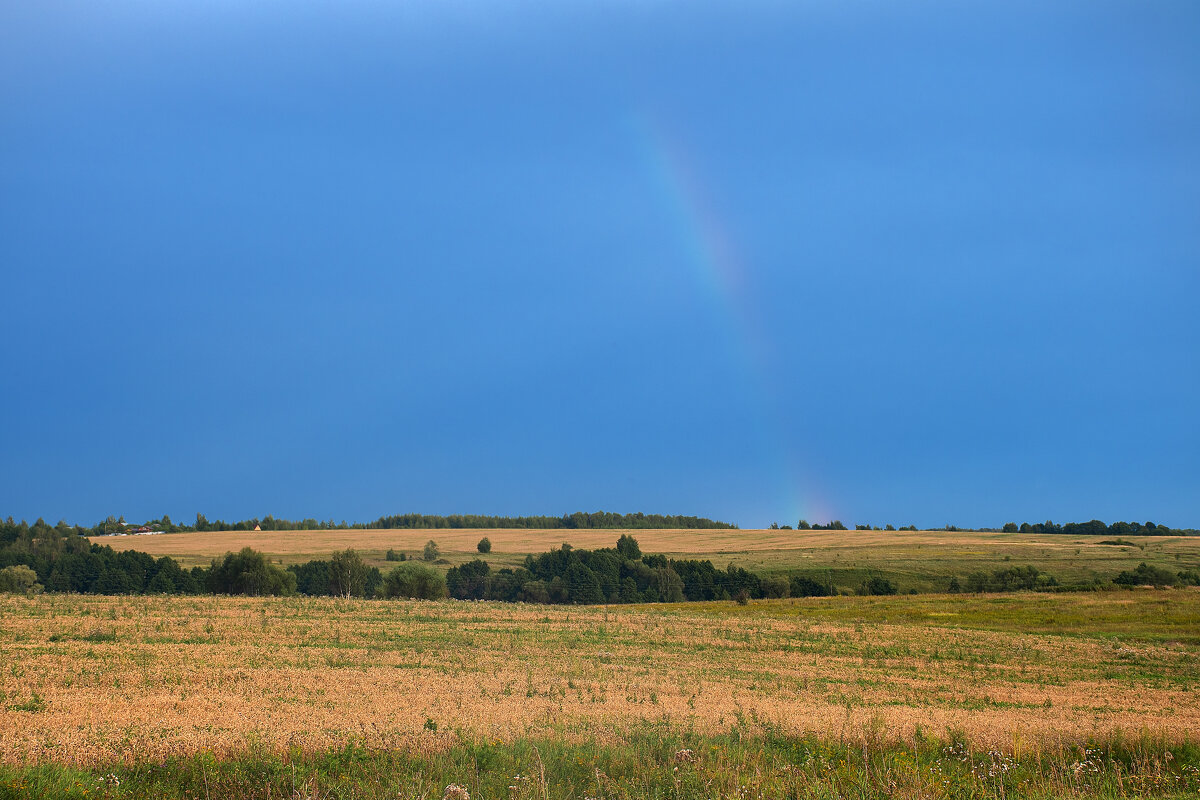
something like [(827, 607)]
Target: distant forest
[(1093, 528), (1098, 528), (579, 520)]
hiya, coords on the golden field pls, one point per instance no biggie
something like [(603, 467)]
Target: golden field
[(89, 680), (922, 560)]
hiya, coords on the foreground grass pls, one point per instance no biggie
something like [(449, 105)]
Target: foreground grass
[(88, 680), (1133, 615), (653, 762)]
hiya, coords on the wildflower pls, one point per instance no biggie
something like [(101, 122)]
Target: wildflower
[(685, 756), (456, 792)]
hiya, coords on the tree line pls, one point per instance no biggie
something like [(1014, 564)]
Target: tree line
[(578, 520), (1097, 527), (1093, 527)]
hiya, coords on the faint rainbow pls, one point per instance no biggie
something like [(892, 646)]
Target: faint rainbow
[(722, 275)]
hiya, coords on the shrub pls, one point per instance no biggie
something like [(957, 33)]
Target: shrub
[(485, 545), (801, 586), (1011, 579), (19, 579), (392, 555), (1146, 575), (431, 551), (742, 597), (413, 580), (776, 586), (876, 586)]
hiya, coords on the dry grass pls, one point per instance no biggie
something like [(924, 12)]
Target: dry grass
[(305, 544), (89, 679)]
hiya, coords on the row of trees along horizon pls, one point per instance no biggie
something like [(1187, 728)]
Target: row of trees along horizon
[(40, 557), (1094, 527), (598, 520), (579, 520)]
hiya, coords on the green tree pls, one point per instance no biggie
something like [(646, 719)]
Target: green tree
[(249, 572), (485, 545), (162, 584), (628, 547), (431, 551), (469, 581), (413, 580), (19, 579), (347, 574), (669, 585), (583, 586), (776, 586)]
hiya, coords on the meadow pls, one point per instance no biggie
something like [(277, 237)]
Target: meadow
[(920, 560), (1090, 694)]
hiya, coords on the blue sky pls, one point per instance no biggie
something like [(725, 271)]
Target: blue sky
[(920, 263)]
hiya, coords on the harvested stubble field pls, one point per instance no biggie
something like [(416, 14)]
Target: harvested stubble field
[(922, 560), (96, 680)]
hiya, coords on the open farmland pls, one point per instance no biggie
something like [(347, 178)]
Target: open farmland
[(921, 560), (122, 680)]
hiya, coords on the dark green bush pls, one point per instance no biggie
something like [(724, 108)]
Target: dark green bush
[(801, 586), (877, 585), (468, 581), (249, 572), (1011, 579), (1146, 575), (414, 580), (776, 586)]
